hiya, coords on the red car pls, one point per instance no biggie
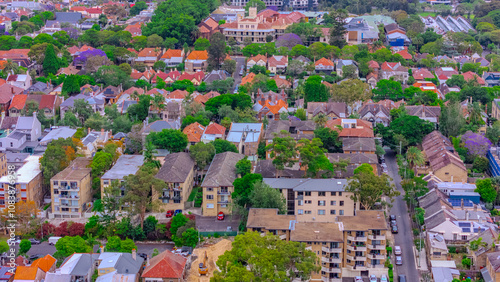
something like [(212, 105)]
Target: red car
[(170, 213), (220, 216)]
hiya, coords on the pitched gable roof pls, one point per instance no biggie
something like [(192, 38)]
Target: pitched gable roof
[(215, 129), (47, 102), (18, 101), (165, 265), (258, 58), (471, 76), (422, 74), (198, 55), (176, 168), (149, 52), (324, 62), (44, 263), (404, 53), (172, 53), (194, 132)]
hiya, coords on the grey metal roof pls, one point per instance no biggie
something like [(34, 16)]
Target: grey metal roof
[(125, 165), (127, 265), (307, 184), (61, 132), (159, 125), (16, 135), (68, 17), (89, 139), (25, 123), (358, 144), (176, 168), (222, 170), (71, 100)]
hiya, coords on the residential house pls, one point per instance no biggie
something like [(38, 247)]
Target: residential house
[(482, 62), (49, 104), (178, 172), (396, 35), (282, 83), (5, 23), (36, 271), (375, 113), (470, 76), (93, 141), (215, 75), (71, 190), (445, 73), (194, 131), (16, 160), (395, 71), (147, 75), (491, 78), (202, 99), (324, 65), (271, 96), (428, 86), (270, 110), (125, 165), (354, 160), (422, 74), (213, 131), (449, 188), (303, 59), (492, 270), (359, 32), (17, 104), (95, 12), (56, 133), (6, 274), (196, 78), (173, 57), (196, 61), (19, 80), (158, 126), (77, 267), (436, 246), (333, 110), (252, 27), (372, 79), (7, 92), (134, 29), (24, 137), (404, 54), (351, 128), (19, 56), (119, 266), (298, 129), (442, 160), (269, 221), (149, 56), (428, 113), (277, 64), (340, 64), (246, 137), (95, 103), (248, 78), (28, 183), (208, 27), (489, 238), (495, 108), (358, 145), (259, 60), (218, 183)]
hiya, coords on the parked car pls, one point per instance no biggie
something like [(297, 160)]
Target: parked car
[(373, 278), (53, 240), (393, 223), (220, 216), (397, 250), (177, 212), (399, 260), (170, 213), (34, 257), (143, 255), (394, 229), (392, 217), (358, 279), (383, 278), (402, 278), (34, 241)]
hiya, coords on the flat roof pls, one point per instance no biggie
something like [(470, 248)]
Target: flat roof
[(61, 132), (269, 219), (77, 170), (307, 184), (316, 232), (364, 220), (125, 165), (27, 172)]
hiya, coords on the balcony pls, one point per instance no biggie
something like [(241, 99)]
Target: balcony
[(326, 279), (376, 266), (223, 193), (376, 247), (377, 237), (356, 258), (67, 188), (377, 256), (357, 239), (331, 269), (309, 248), (356, 248), (331, 250), (331, 260), (69, 205), (69, 197), (223, 202)]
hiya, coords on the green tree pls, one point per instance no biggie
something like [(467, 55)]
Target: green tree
[(411, 128), (178, 221), (363, 168), (68, 245), (351, 91), (255, 3), (139, 190), (283, 151), (338, 29), (301, 114), (243, 187), (265, 197), (480, 164), (138, 7), (415, 157), (4, 247), (201, 44), (216, 50), (222, 146), (485, 188), (154, 40), (111, 201), (57, 156), (229, 66), (190, 237), (266, 257), (388, 89), (330, 139), (493, 132), (24, 246), (202, 154), (452, 121), (243, 166), (315, 91), (50, 61), (369, 189), (312, 156), (171, 139), (71, 85)]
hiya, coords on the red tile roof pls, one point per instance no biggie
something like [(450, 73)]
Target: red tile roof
[(363, 128), (194, 132), (405, 54), (422, 74), (172, 53), (165, 265), (324, 62), (134, 29), (198, 76), (248, 78), (273, 107), (94, 11), (258, 58), (471, 76), (47, 102), (215, 129), (149, 52), (198, 55), (177, 94), (373, 65), (18, 101)]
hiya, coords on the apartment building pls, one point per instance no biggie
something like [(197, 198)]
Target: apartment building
[(319, 200), (28, 183), (125, 165), (218, 183), (71, 190), (178, 172), (252, 27), (348, 246)]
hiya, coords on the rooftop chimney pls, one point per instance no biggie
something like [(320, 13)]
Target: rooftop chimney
[(134, 254), (101, 248)]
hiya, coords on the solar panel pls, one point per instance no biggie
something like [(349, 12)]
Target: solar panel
[(465, 229), (464, 224), (469, 204)]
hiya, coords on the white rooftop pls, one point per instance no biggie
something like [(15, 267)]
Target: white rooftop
[(448, 69), (456, 185), (27, 172), (443, 263)]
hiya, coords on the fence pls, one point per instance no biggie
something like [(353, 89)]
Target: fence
[(220, 233)]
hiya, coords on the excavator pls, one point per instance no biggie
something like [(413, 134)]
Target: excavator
[(202, 268)]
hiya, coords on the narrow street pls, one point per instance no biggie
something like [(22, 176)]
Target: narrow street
[(405, 236), (240, 61)]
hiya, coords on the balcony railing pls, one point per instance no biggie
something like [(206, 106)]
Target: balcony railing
[(69, 197), (331, 250), (356, 248), (376, 266), (376, 237), (223, 202), (331, 269), (331, 260), (357, 239), (223, 192), (376, 247), (376, 256)]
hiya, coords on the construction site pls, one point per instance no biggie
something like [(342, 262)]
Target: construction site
[(207, 256)]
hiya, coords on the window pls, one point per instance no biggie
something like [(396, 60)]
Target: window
[(341, 203), (321, 203), (308, 193), (300, 203), (333, 212), (464, 237), (321, 194), (333, 203), (210, 197), (307, 212), (308, 201), (340, 193), (23, 186), (105, 182), (333, 193), (300, 211), (210, 189), (11, 144), (56, 191), (23, 194), (446, 173), (56, 183), (341, 212), (210, 206)]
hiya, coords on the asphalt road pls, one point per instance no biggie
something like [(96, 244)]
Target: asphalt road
[(240, 61), (405, 236)]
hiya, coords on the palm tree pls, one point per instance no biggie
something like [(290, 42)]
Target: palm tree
[(10, 66), (414, 157), (320, 120), (475, 111)]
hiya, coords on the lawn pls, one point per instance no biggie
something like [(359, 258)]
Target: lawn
[(193, 193), (426, 14)]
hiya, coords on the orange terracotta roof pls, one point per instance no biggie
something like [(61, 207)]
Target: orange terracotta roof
[(363, 128), (44, 263), (177, 94), (405, 54), (373, 64), (324, 62), (422, 74), (258, 58), (203, 29), (282, 83), (198, 55), (194, 131), (471, 76), (2, 64), (26, 273), (149, 52), (248, 79), (18, 101), (165, 265), (78, 8), (273, 107), (172, 53), (215, 129)]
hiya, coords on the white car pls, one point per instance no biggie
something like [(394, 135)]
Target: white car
[(383, 278), (397, 250), (373, 278), (358, 279), (399, 260)]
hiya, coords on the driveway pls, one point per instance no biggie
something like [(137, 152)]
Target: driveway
[(211, 224), (405, 236)]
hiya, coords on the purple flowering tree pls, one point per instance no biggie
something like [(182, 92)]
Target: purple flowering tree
[(288, 40), (85, 55), (72, 32), (476, 144)]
